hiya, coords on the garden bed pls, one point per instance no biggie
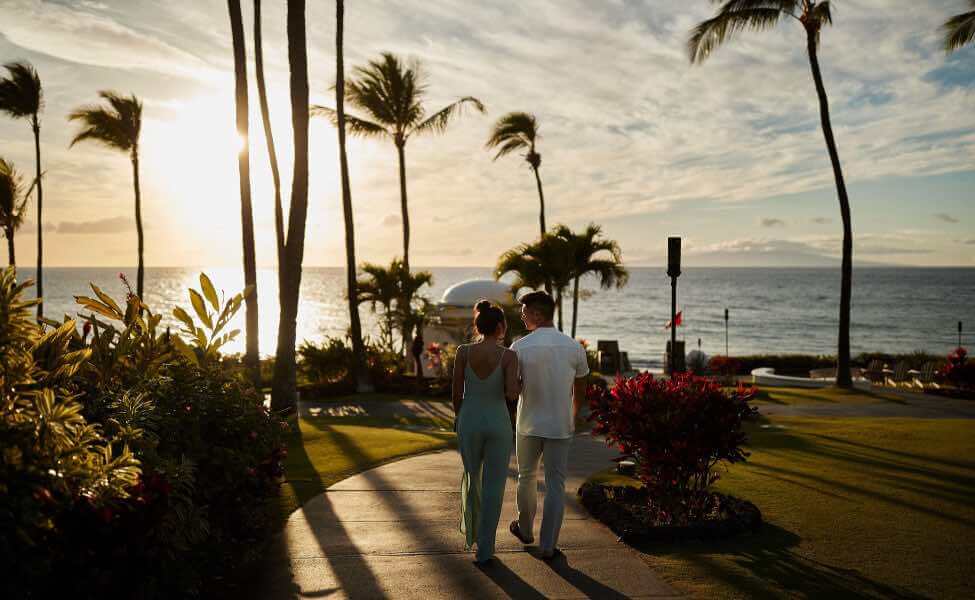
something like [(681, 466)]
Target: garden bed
[(625, 510)]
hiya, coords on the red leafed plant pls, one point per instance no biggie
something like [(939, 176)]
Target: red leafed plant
[(960, 371), (677, 431)]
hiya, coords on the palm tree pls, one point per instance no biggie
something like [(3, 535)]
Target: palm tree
[(545, 262), (395, 289), (252, 358), (272, 154), (588, 255), (391, 94), (519, 131), (960, 29), (355, 326), (736, 15), (21, 97), (284, 386), (117, 126), (12, 204)]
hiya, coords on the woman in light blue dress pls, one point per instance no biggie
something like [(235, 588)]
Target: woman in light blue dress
[(485, 374)]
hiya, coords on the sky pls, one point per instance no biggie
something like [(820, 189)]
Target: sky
[(729, 155)]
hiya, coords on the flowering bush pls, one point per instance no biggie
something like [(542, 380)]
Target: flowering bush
[(960, 371), (135, 463), (677, 431)]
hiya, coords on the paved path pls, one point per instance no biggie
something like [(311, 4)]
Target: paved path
[(908, 404), (378, 408), (392, 532)]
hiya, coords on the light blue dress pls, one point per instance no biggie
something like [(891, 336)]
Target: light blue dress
[(484, 436)]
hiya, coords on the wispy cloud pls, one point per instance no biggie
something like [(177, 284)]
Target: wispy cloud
[(108, 225), (946, 218), (770, 222), (822, 221)]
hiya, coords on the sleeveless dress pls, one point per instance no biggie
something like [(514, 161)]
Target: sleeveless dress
[(485, 440)]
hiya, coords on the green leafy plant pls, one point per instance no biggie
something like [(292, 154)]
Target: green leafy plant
[(205, 338)]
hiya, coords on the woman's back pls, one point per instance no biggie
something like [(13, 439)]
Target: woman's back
[(484, 382)]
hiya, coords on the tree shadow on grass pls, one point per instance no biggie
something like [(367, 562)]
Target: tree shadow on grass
[(765, 565)]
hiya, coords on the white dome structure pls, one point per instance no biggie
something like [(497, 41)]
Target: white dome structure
[(466, 293)]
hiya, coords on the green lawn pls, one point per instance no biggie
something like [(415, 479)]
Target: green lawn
[(380, 397), (854, 507), (330, 449), (790, 396)]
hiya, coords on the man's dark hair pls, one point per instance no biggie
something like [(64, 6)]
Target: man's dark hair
[(542, 302)]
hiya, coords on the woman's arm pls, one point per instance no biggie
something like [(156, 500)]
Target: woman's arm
[(512, 380), (457, 388)]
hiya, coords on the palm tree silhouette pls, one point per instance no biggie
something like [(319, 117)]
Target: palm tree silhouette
[(12, 204), (117, 126), (588, 255), (391, 94), (22, 97), (544, 262), (960, 29), (272, 154), (252, 360), (284, 386), (736, 15), (394, 288), (355, 325), (519, 131)]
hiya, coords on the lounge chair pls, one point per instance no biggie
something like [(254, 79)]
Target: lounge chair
[(609, 356), (875, 372), (927, 378), (900, 376)]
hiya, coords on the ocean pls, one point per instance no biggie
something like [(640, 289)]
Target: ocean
[(772, 310)]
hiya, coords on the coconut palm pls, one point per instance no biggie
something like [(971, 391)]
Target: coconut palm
[(734, 16), (251, 354), (22, 97), (117, 126), (396, 290), (355, 325), (391, 93), (960, 29), (545, 262), (591, 254), (284, 386), (272, 154), (13, 201), (519, 131)]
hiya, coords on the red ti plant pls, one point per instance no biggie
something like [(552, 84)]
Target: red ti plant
[(960, 371), (678, 431)]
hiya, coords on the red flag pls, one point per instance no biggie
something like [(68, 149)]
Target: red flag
[(679, 321)]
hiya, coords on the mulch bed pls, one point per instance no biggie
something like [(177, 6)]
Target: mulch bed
[(624, 510)]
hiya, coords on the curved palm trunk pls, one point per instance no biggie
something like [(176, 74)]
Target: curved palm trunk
[(251, 354), (36, 126), (558, 306), (404, 208), (284, 387), (268, 133), (843, 378), (355, 326), (140, 273), (541, 202), (575, 304), (11, 259)]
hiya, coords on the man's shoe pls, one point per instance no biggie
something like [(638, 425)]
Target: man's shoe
[(516, 531), (551, 555)]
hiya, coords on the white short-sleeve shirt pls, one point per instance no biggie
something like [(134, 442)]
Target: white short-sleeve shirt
[(549, 361)]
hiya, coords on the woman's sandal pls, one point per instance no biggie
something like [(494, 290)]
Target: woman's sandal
[(516, 531)]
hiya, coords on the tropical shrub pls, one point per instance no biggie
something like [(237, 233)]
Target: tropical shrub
[(725, 366), (960, 371), (677, 431), (326, 369), (183, 450)]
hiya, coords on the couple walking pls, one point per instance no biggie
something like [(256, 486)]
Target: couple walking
[(546, 372)]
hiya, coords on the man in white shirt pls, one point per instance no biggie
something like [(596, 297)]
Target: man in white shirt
[(554, 371)]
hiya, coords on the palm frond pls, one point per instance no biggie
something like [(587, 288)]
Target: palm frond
[(11, 187), (117, 126), (513, 131), (959, 31), (437, 123), (21, 94), (353, 125), (390, 91), (710, 34)]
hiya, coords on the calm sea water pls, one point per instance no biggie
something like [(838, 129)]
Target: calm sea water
[(772, 310)]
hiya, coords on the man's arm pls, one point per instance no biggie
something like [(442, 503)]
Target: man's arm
[(579, 388)]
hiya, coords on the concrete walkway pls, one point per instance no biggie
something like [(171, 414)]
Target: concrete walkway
[(392, 532)]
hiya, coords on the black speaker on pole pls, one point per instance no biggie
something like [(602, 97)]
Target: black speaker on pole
[(673, 256)]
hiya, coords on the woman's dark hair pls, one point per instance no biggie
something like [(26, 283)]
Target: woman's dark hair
[(488, 317)]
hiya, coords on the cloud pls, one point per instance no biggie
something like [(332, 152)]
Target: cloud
[(392, 221), (970, 242), (109, 225), (822, 221), (767, 222), (946, 218)]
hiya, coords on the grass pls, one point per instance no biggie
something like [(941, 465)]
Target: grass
[(792, 396), (329, 449), (380, 397), (855, 507)]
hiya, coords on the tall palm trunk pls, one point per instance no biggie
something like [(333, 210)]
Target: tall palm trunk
[(140, 273), (575, 304), (404, 207), (843, 378), (36, 126), (541, 201), (251, 354), (10, 247), (268, 132), (284, 386), (358, 348), (558, 305)]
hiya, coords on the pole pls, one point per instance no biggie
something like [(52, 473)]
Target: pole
[(959, 334), (726, 332), (673, 323)]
